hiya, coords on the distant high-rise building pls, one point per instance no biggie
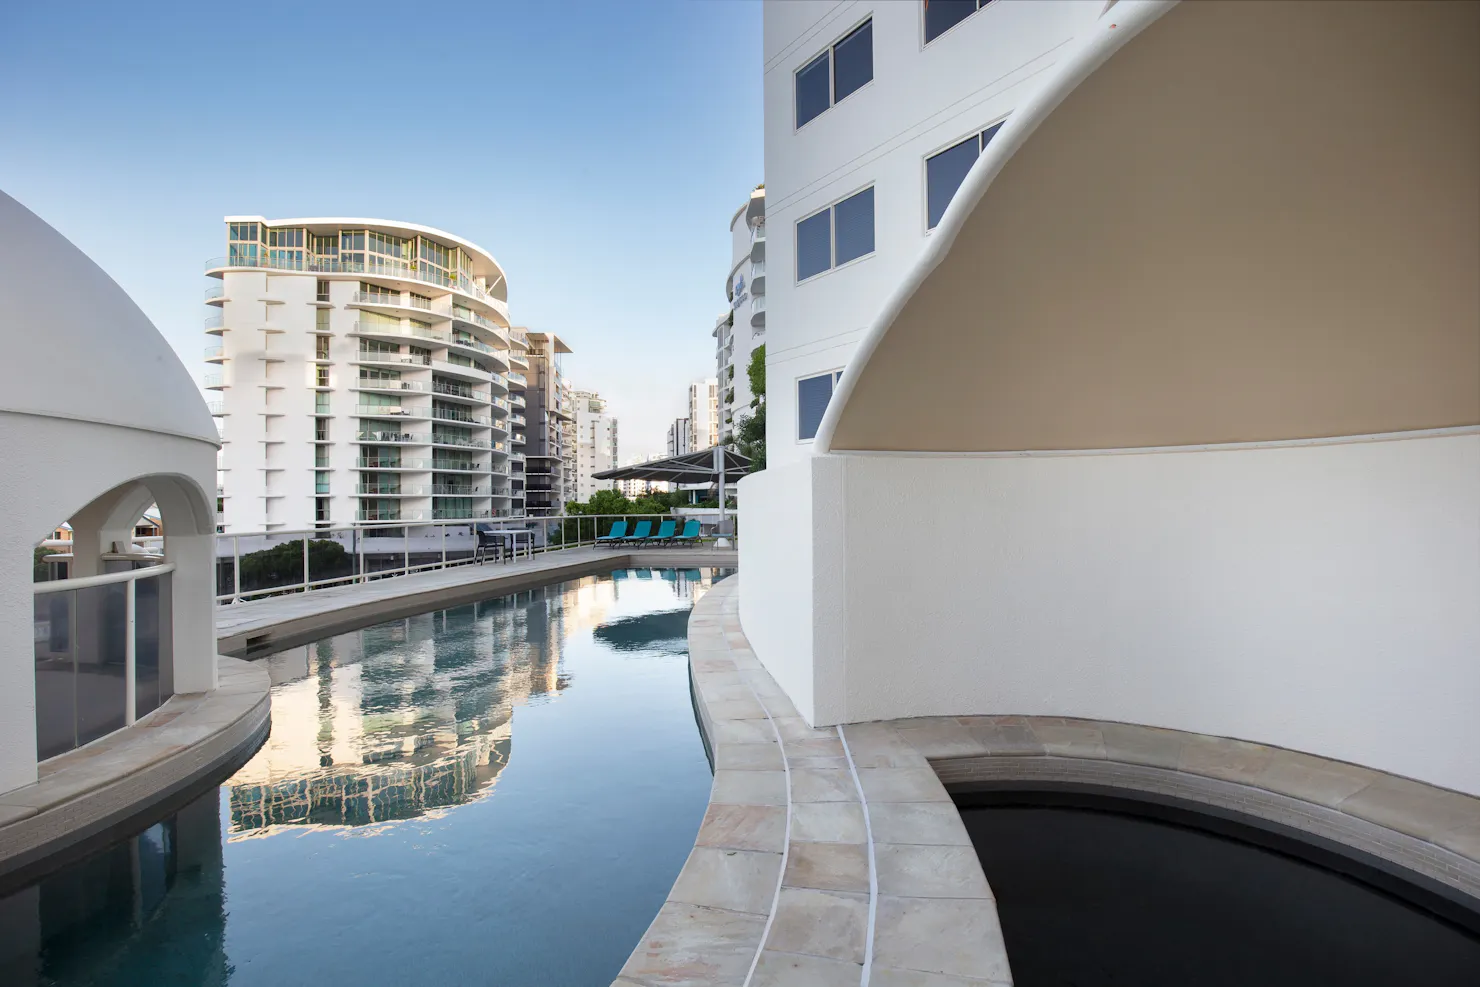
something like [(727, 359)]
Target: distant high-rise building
[(703, 414), (740, 330), (596, 444), (679, 437), (550, 454), (362, 366)]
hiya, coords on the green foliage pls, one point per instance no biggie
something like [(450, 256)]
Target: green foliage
[(757, 374), (750, 430), (38, 563), (282, 564)]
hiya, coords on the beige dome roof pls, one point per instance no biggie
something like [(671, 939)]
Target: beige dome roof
[(77, 345)]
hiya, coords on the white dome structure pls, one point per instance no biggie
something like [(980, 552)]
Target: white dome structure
[(112, 424)]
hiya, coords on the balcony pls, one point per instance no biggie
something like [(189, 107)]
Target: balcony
[(758, 242), (517, 419), (457, 443), (213, 382), (516, 378), (402, 359), (391, 490), (517, 439), (387, 463), (455, 390), (457, 514), (398, 331), (447, 415), (517, 401), (217, 408), (758, 311), (376, 384), (388, 514), (373, 436), (381, 268), (758, 278), (389, 411), (215, 294), (442, 490), (215, 354), (398, 301), (458, 466), (213, 323)]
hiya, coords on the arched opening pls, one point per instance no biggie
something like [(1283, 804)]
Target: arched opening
[(104, 610)]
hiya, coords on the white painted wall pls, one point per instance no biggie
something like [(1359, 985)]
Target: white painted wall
[(1321, 598), (775, 546), (924, 98)]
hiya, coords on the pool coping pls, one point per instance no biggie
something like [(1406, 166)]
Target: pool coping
[(97, 793), (836, 856)]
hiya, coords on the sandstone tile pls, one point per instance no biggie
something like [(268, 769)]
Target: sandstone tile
[(820, 923), (736, 709), (693, 946), (940, 737), (749, 787), (1312, 779), (817, 747), (744, 827), (882, 977), (748, 757), (739, 880), (822, 785), (742, 732), (829, 822), (827, 866), (1220, 757), (924, 823), (1414, 808), (955, 936), (929, 871), (1006, 738), (901, 785), (818, 762), (777, 969), (1152, 746), (796, 728), (1070, 738)]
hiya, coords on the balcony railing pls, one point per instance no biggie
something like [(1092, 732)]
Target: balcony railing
[(388, 514), (377, 436), (217, 408), (390, 329), (378, 384), (386, 463), (517, 378), (447, 415), (457, 390), (367, 356), (215, 291), (213, 382), (446, 491), (448, 440), (214, 320), (458, 465), (391, 490), (375, 268), (215, 352), (104, 653)]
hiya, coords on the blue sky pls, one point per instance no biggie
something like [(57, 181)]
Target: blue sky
[(597, 149)]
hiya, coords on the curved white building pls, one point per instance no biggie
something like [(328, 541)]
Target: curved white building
[(116, 426), (364, 368), (739, 331), (1176, 416)]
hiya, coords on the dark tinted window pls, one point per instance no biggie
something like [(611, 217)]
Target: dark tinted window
[(853, 61), (944, 174), (855, 226), (813, 393), (812, 88), (814, 245), (942, 15)]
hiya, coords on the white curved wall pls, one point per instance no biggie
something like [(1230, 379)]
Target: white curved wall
[(1322, 598)]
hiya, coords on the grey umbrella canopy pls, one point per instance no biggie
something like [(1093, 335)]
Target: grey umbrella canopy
[(693, 467)]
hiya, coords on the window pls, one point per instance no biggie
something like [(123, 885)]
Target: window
[(285, 238), (321, 509), (321, 291), (321, 482), (842, 232), (321, 430), (942, 15), (321, 377), (813, 394), (944, 172), (321, 320), (321, 402), (840, 71), (321, 348)]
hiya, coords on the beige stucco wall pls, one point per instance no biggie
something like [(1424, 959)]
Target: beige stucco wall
[(1257, 221)]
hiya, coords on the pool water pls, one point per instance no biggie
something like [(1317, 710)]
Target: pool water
[(499, 793), (1096, 898)]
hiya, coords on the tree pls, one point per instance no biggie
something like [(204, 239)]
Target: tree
[(283, 564), (38, 563), (751, 428)]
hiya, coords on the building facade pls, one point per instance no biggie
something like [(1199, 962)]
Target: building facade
[(596, 444), (680, 435), (743, 327), (550, 455), (873, 113), (703, 414), (363, 374)]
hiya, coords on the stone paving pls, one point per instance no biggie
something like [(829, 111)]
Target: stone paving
[(837, 857)]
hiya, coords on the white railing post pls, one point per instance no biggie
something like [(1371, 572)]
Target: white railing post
[(306, 580), (130, 658), (236, 569), (443, 528), (406, 550)]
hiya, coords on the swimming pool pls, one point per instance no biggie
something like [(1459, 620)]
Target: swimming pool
[(497, 793)]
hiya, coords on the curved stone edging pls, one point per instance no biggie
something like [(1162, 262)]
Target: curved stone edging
[(837, 857), (98, 792)]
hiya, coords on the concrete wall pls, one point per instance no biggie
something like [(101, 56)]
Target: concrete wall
[(1318, 597), (775, 547), (924, 98)]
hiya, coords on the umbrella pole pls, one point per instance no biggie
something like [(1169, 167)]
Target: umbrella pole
[(719, 466)]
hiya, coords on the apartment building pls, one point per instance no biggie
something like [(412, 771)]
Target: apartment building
[(680, 434), (362, 374), (596, 444), (550, 456), (743, 327), (703, 414), (518, 376), (874, 112)]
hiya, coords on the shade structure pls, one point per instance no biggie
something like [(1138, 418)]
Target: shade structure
[(693, 467)]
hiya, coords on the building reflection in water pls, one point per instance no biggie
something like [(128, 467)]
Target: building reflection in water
[(408, 717), (108, 919)]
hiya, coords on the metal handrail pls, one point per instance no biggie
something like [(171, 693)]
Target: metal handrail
[(375, 268), (106, 579)]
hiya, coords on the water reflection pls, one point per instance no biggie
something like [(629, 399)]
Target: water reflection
[(412, 720)]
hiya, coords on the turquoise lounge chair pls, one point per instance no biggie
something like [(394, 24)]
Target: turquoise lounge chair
[(664, 533), (618, 532), (640, 533), (690, 532)]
